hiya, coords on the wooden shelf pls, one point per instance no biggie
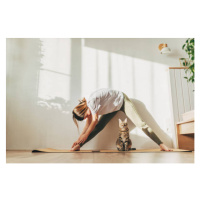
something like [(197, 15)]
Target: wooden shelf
[(185, 134), (186, 128), (184, 122)]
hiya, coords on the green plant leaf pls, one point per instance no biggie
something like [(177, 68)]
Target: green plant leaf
[(192, 40), (188, 47), (190, 78), (191, 66)]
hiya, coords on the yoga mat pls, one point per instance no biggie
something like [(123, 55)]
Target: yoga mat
[(49, 150)]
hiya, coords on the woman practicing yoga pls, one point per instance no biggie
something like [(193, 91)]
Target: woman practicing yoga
[(107, 102)]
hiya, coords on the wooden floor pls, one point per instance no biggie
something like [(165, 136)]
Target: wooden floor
[(159, 157)]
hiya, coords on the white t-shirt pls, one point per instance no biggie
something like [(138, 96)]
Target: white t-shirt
[(105, 101)]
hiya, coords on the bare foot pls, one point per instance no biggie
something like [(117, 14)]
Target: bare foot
[(76, 148), (163, 147)]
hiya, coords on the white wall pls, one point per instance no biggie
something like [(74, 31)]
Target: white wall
[(46, 77)]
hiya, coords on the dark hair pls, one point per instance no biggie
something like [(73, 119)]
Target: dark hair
[(79, 118)]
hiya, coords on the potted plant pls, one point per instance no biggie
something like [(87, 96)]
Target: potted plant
[(189, 49)]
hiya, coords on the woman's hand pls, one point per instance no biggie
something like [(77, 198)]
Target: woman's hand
[(82, 138), (74, 144), (75, 148), (163, 147)]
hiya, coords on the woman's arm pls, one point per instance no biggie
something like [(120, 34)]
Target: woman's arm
[(87, 124), (84, 136), (91, 119)]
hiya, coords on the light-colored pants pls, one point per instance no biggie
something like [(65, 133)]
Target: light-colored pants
[(129, 109)]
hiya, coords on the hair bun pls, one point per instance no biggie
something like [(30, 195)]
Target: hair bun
[(82, 100)]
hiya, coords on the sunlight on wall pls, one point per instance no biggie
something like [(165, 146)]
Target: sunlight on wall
[(102, 69), (121, 73), (52, 84), (43, 89), (54, 76), (94, 70), (141, 79)]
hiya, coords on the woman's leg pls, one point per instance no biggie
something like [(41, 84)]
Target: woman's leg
[(130, 110), (104, 119)]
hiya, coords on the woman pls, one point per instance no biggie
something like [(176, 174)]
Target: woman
[(107, 103)]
